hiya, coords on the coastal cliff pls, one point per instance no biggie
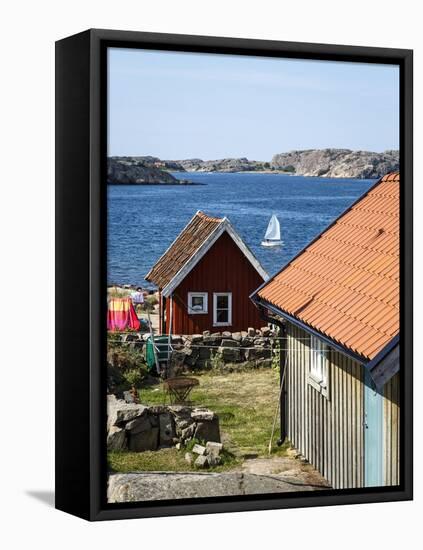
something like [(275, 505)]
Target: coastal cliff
[(140, 171), (329, 163), (338, 163), (224, 165)]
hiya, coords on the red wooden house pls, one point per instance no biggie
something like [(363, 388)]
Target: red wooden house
[(205, 279)]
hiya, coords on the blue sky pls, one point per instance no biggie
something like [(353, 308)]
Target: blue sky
[(182, 105)]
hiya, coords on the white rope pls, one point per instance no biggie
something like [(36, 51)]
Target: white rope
[(116, 334), (226, 347)]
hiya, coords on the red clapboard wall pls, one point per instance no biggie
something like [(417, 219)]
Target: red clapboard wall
[(224, 268)]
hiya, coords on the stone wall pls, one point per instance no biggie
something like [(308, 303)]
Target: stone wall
[(230, 350), (225, 350), (139, 428)]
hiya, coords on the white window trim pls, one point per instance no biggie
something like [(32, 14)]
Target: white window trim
[(205, 309), (215, 296), (318, 378)]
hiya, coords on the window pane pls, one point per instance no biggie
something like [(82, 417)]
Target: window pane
[(222, 302), (197, 301), (324, 375), (222, 316)]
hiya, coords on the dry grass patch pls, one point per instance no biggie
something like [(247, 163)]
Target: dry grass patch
[(162, 460), (245, 402)]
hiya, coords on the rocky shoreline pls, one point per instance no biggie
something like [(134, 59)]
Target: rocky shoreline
[(338, 163), (327, 163), (135, 171)]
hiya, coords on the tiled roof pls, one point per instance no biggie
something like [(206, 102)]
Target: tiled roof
[(183, 248), (345, 284)]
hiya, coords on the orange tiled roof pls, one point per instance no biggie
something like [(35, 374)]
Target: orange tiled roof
[(345, 284), (183, 248)]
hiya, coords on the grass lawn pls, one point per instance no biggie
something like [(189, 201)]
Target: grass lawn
[(245, 403), (162, 460)]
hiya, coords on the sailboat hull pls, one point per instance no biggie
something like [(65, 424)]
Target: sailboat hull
[(271, 243)]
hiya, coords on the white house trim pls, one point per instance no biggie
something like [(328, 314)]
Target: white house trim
[(225, 225), (318, 375), (205, 309), (228, 323)]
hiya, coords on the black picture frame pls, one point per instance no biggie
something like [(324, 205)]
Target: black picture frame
[(81, 149)]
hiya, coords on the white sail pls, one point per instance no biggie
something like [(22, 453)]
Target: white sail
[(273, 232)]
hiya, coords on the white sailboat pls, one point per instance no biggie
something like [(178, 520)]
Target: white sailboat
[(273, 233)]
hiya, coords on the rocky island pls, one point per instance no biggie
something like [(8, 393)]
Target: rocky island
[(224, 165), (328, 163), (141, 171), (338, 163)]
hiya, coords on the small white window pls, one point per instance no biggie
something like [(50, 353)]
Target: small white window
[(197, 302), (222, 309), (318, 373)]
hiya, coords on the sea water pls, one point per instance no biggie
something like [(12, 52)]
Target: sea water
[(142, 221)]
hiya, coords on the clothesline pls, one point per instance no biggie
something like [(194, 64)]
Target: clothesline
[(158, 345), (223, 337)]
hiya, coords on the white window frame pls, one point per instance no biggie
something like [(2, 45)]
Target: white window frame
[(318, 368), (215, 297), (205, 309)]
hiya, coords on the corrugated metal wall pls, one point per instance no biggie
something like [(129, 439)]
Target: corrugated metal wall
[(329, 431), (326, 430), (391, 411)]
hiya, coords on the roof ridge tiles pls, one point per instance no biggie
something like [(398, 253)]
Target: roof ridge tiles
[(206, 217), (391, 176)]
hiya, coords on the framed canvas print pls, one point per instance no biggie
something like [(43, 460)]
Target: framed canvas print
[(234, 274)]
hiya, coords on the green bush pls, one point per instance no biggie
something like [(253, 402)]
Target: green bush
[(133, 377), (124, 357), (114, 340), (126, 366), (215, 362)]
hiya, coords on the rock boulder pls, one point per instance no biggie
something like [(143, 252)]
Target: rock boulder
[(208, 430)]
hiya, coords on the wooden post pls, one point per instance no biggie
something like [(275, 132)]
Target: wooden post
[(278, 407), (169, 341), (153, 343), (160, 312)]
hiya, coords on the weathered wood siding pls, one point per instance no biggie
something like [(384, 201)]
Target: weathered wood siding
[(328, 431), (391, 430)]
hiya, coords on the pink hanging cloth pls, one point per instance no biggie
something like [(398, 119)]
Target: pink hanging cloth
[(121, 315)]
